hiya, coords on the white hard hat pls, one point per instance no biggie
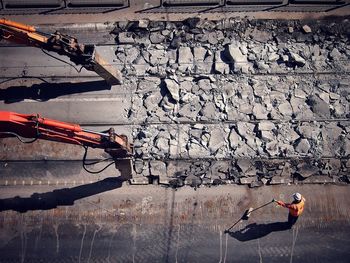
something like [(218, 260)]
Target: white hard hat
[(297, 196)]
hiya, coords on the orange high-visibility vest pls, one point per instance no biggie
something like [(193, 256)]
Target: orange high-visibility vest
[(296, 209)]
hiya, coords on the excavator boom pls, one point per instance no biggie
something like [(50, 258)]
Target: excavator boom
[(34, 126), (80, 54)]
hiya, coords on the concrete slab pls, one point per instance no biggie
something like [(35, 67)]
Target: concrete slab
[(103, 221)]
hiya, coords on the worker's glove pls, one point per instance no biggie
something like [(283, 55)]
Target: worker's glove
[(274, 200)]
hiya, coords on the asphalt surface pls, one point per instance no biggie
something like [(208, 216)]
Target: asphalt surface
[(108, 222)]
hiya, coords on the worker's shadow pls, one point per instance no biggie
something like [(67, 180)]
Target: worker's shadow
[(46, 91), (255, 231), (60, 197)]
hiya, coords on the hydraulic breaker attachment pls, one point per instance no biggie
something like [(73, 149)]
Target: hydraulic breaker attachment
[(14, 124), (84, 55)]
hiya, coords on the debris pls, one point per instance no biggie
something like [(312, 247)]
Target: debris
[(193, 181), (318, 106), (185, 55), (306, 170), (297, 59), (303, 146), (173, 88), (212, 38), (271, 114), (158, 168), (307, 29), (143, 23), (209, 111), (217, 140), (285, 109), (335, 54), (266, 126), (256, 184), (247, 180), (260, 112), (280, 180), (125, 38), (237, 58), (220, 66), (156, 38)]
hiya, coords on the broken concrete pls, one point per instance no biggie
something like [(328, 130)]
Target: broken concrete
[(235, 90), (174, 88)]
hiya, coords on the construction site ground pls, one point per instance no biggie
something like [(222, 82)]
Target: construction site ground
[(241, 111), (107, 222)]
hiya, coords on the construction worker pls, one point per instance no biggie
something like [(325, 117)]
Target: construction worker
[(296, 208)]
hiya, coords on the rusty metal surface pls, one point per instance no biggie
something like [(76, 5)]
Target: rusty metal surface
[(104, 222), (108, 72)]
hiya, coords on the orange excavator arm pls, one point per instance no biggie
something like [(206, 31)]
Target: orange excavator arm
[(21, 33), (84, 55), (34, 126)]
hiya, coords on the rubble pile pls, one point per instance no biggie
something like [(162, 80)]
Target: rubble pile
[(251, 172), (265, 139), (240, 98), (197, 46), (248, 102)]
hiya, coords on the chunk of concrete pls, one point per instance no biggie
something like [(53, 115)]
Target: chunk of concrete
[(156, 38), (234, 139), (266, 126), (174, 88), (272, 148), (247, 180), (285, 109), (199, 54), (141, 180), (280, 180), (309, 131), (158, 168), (307, 29), (335, 54), (247, 167), (197, 151), (219, 65), (126, 38), (299, 60), (267, 136), (303, 146), (235, 55), (157, 57), (319, 106), (260, 112), (185, 55), (193, 181), (217, 140), (306, 170), (209, 111)]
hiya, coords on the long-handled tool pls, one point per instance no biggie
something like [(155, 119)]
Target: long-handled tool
[(247, 214)]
